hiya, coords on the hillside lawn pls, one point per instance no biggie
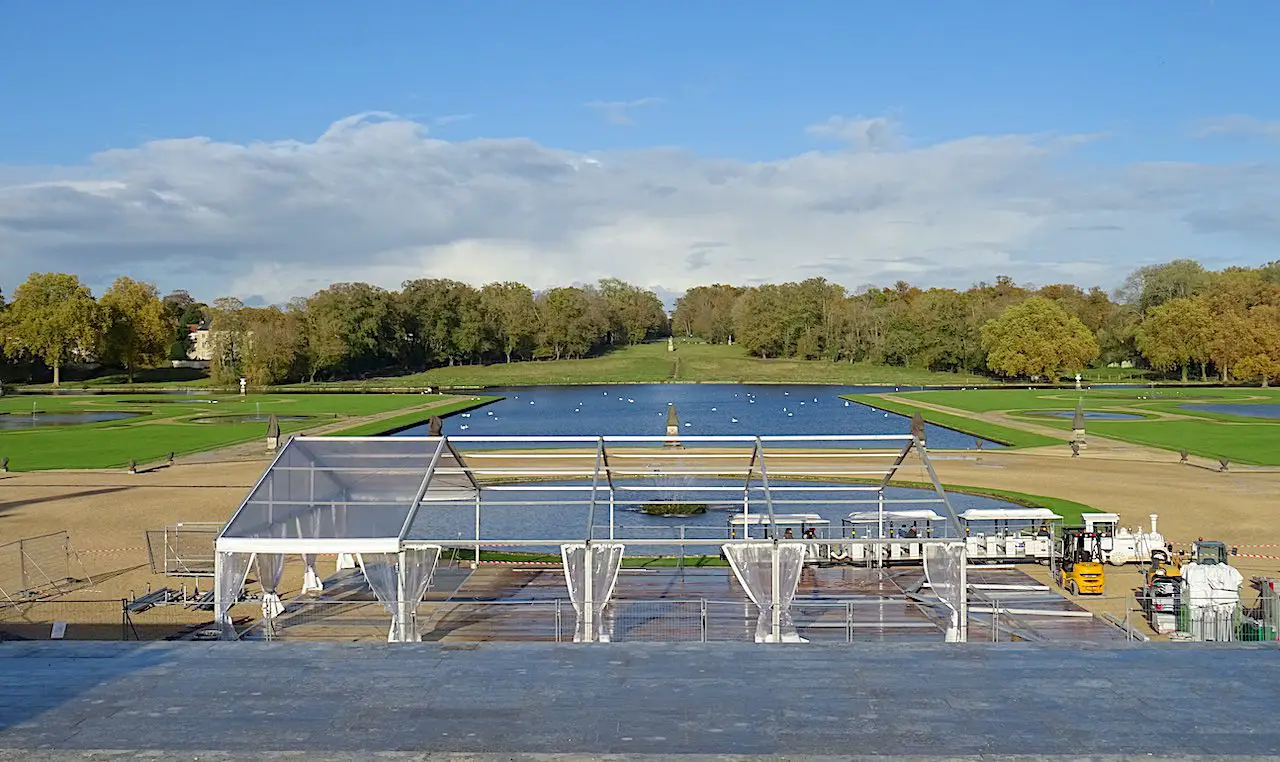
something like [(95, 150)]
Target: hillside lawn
[(164, 424), (692, 362), (1212, 435)]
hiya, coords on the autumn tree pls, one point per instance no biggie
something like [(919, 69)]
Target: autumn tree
[(1037, 338), (271, 347), (54, 318), (1261, 358), (1176, 334), (228, 336), (138, 328)]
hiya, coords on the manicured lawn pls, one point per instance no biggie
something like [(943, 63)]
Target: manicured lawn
[(1212, 435), (1257, 443), (408, 420), (988, 400), (1002, 434), (167, 423), (646, 363)]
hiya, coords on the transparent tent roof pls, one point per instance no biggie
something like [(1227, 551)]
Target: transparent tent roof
[(374, 494)]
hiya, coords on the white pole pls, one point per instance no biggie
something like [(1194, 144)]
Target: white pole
[(964, 595), (776, 584), (611, 513), (880, 516), (402, 605), (475, 561), (588, 605)]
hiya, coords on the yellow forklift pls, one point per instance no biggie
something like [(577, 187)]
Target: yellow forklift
[(1080, 570)]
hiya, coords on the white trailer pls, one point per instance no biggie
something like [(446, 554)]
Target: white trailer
[(1010, 534)]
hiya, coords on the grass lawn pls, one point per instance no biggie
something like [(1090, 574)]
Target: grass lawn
[(1213, 435), (643, 364), (1002, 434), (169, 423)]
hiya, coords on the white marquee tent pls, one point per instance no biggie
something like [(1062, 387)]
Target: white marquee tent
[(392, 504)]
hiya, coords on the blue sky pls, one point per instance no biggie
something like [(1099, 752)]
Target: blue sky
[(1106, 90)]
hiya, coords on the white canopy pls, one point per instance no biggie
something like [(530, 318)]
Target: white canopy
[(917, 514), (1009, 514), (778, 518)]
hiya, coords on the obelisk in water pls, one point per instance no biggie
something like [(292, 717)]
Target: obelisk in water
[(673, 427)]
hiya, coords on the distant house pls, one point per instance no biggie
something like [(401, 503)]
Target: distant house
[(200, 343)]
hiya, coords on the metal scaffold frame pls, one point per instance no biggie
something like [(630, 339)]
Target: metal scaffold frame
[(371, 495)]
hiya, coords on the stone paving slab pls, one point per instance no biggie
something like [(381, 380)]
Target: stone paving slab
[(229, 701)]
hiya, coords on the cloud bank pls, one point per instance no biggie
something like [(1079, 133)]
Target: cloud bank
[(376, 198)]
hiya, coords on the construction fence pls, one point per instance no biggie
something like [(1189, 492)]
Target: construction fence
[(104, 619), (34, 567), (183, 550)]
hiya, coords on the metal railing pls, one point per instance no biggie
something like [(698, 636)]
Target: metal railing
[(102, 619), (32, 567)]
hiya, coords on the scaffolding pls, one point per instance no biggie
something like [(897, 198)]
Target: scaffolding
[(387, 497)]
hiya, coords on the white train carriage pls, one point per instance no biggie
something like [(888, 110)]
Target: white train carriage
[(1010, 534), (898, 528), (788, 526)]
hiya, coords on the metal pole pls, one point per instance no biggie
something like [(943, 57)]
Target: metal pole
[(611, 536), (475, 563), (680, 563), (588, 599), (880, 517), (964, 593), (402, 605), (776, 583), (703, 613)]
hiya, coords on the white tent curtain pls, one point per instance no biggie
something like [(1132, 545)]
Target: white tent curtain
[(230, 570), (944, 569), (606, 560), (401, 587), (311, 582), (419, 568), (380, 571), (270, 568), (753, 566)]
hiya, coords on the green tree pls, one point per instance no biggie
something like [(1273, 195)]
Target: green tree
[(1037, 338), (139, 328), (1176, 334), (54, 318), (512, 315), (570, 325), (1153, 285)]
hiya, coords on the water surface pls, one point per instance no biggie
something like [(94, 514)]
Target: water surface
[(15, 421), (1268, 410), (703, 409)]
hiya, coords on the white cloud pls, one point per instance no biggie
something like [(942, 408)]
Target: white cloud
[(376, 198), (1237, 124), (859, 132), (619, 112)]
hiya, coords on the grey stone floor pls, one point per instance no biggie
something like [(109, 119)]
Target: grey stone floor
[(223, 701)]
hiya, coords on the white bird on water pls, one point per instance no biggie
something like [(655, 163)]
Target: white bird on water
[(630, 401), (713, 410), (790, 414), (688, 425), (846, 403), (466, 415), (463, 427), (733, 420), (490, 412)]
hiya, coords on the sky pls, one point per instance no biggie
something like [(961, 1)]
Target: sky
[(266, 150)]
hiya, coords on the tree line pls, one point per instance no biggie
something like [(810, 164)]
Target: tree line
[(1175, 317), (347, 330)]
